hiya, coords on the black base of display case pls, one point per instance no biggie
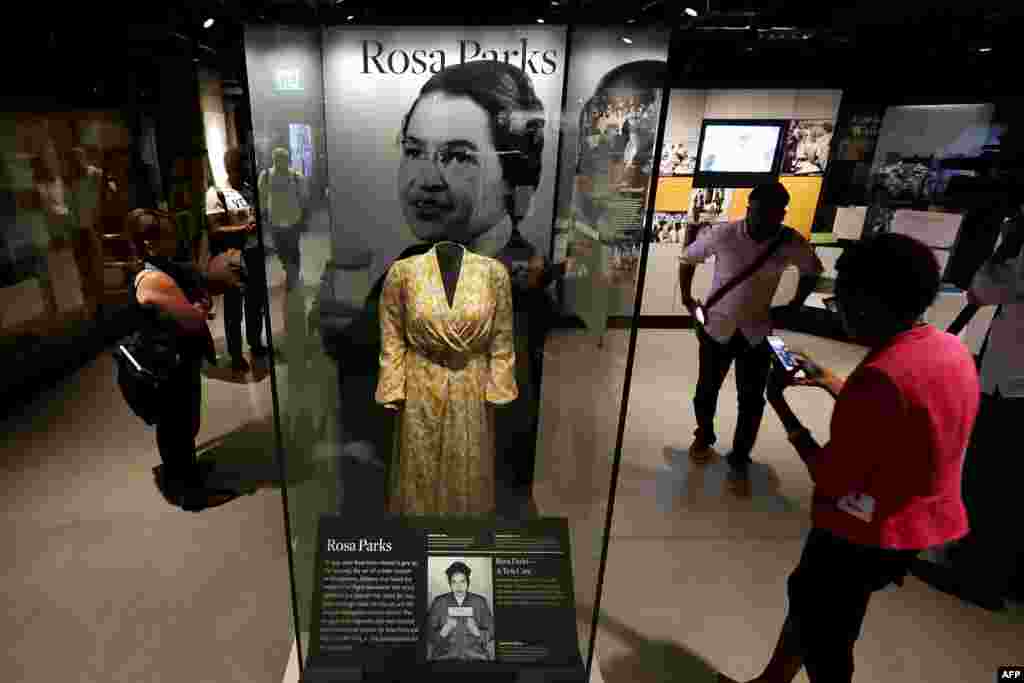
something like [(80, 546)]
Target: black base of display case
[(315, 672)]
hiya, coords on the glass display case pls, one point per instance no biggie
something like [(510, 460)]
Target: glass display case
[(456, 209)]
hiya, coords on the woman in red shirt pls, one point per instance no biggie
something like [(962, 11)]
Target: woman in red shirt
[(887, 484)]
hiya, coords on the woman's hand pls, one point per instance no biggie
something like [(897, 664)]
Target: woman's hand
[(815, 375)]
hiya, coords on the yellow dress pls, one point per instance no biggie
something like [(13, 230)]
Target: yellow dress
[(445, 367)]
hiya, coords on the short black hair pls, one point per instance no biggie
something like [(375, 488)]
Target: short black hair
[(458, 568), (772, 195), (896, 269)]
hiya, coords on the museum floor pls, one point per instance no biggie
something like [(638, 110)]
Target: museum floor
[(105, 582)]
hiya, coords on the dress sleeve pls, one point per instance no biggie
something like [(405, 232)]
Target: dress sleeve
[(501, 383), (869, 414), (391, 383)]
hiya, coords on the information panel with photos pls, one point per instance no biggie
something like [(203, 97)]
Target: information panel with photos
[(416, 596)]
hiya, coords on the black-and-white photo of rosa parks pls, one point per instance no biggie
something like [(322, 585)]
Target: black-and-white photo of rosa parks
[(403, 179), (460, 620), (471, 139)]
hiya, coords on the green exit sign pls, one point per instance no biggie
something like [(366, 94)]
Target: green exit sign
[(288, 80)]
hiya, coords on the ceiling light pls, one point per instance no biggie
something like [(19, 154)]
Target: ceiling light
[(208, 23), (631, 21), (984, 49), (540, 21), (691, 12), (350, 17), (627, 40), (554, 3)]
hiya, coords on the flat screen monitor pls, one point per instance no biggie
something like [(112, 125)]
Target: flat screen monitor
[(738, 153)]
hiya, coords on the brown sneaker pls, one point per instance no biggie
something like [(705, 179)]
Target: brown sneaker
[(701, 453)]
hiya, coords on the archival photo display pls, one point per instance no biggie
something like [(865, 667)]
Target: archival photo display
[(470, 77), (430, 593)]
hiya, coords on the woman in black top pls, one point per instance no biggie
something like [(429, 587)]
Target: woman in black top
[(173, 307)]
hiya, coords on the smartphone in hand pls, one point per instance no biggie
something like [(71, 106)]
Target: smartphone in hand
[(782, 355)]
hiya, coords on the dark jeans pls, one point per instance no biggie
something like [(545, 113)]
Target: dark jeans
[(828, 596), (254, 300), (989, 557), (178, 425), (753, 363), (286, 242)]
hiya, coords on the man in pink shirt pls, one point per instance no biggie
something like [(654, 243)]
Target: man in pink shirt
[(738, 324)]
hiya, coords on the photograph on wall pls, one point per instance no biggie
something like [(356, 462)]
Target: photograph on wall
[(861, 137), (905, 179), (920, 150), (680, 158), (807, 147), (456, 137), (460, 619), (710, 204), (615, 160), (669, 228), (618, 129)]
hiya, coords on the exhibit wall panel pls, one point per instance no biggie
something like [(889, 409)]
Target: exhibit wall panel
[(372, 78), (614, 91), (674, 194), (750, 104), (689, 108), (215, 127), (596, 52), (938, 131), (817, 104)]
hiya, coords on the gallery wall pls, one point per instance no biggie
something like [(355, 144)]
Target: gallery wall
[(688, 109)]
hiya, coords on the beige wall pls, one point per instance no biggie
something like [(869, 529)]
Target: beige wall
[(688, 108), (211, 103)]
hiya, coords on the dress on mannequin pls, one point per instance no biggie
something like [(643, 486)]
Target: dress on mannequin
[(447, 359)]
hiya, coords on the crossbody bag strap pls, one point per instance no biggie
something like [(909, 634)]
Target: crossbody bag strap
[(749, 270)]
